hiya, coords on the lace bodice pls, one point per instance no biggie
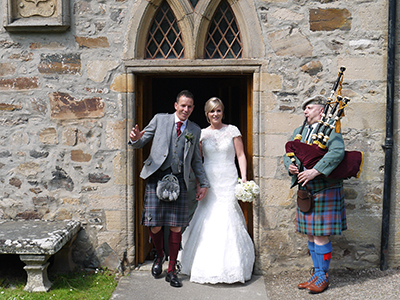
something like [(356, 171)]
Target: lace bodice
[(218, 144)]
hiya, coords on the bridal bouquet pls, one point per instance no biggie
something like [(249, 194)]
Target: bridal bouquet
[(246, 191)]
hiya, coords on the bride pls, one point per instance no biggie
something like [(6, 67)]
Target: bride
[(216, 246)]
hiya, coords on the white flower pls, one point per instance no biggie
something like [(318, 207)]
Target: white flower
[(246, 191)]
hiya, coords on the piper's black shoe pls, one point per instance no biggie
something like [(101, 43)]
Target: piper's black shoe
[(156, 269), (173, 279)]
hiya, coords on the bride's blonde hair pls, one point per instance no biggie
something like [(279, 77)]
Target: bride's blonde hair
[(211, 104)]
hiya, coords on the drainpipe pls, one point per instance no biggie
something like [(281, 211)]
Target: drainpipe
[(388, 147)]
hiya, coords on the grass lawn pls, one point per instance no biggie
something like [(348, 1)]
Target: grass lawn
[(98, 284)]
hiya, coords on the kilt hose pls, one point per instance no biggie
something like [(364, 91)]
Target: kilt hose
[(328, 217), (161, 213)]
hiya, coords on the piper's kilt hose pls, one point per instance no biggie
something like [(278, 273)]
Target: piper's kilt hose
[(161, 213), (328, 216)]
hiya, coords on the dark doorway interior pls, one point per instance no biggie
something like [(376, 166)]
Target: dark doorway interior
[(231, 90)]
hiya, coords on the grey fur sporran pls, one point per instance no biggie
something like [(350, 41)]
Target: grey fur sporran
[(168, 188)]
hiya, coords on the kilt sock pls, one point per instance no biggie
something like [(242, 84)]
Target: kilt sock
[(323, 254), (174, 243), (158, 242), (311, 249)]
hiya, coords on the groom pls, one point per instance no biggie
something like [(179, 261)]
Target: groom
[(175, 150)]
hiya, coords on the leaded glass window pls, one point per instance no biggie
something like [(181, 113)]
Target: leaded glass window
[(193, 2), (223, 37), (165, 38)]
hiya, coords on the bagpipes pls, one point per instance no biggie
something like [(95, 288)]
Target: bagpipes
[(310, 154)]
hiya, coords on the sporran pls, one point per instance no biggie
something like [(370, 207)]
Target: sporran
[(305, 200), (168, 188)]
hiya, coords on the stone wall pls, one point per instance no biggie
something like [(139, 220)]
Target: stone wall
[(307, 42), (63, 120), (62, 144)]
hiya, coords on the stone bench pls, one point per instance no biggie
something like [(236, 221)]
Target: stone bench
[(35, 241)]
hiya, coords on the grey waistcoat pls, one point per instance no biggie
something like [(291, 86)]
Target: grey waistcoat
[(175, 153)]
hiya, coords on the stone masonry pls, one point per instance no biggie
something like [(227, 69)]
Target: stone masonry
[(67, 97)]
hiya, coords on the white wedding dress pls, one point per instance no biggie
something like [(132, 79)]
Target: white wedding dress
[(216, 246)]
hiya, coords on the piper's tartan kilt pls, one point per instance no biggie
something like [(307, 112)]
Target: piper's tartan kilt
[(328, 216), (161, 213)]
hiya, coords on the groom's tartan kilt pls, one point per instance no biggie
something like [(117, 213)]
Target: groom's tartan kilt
[(161, 213), (328, 216)]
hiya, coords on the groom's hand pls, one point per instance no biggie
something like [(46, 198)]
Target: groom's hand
[(136, 134), (201, 193)]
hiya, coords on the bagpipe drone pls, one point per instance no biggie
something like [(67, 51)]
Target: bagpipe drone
[(310, 154)]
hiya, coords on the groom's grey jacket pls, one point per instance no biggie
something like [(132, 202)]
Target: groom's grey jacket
[(160, 131)]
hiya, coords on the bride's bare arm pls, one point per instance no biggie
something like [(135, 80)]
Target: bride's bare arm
[(241, 156)]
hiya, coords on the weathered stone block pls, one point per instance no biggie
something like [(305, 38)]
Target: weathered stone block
[(70, 136), (107, 198), (363, 68), (282, 195), (370, 118), (115, 138), (61, 180), (97, 70), (98, 178), (367, 20), (119, 169), (80, 156), (38, 154), (123, 83), (99, 42), (7, 69), (284, 14), (115, 220), (312, 67), (15, 182), (274, 145), (64, 106), (50, 45), (28, 169), (290, 42), (22, 56), (270, 82), (18, 84), (268, 101), (272, 122), (70, 201), (329, 19), (60, 63), (48, 136)]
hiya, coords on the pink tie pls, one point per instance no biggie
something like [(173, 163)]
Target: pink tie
[(178, 128)]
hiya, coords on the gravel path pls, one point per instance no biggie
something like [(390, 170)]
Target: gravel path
[(344, 284)]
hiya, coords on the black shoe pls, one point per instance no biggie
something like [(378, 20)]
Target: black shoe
[(173, 279), (156, 269)]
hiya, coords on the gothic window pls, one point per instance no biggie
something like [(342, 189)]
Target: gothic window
[(223, 37), (164, 39), (193, 2)]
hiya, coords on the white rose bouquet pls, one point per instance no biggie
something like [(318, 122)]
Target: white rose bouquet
[(246, 191)]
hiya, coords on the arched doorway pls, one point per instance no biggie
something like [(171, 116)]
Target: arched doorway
[(157, 79)]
